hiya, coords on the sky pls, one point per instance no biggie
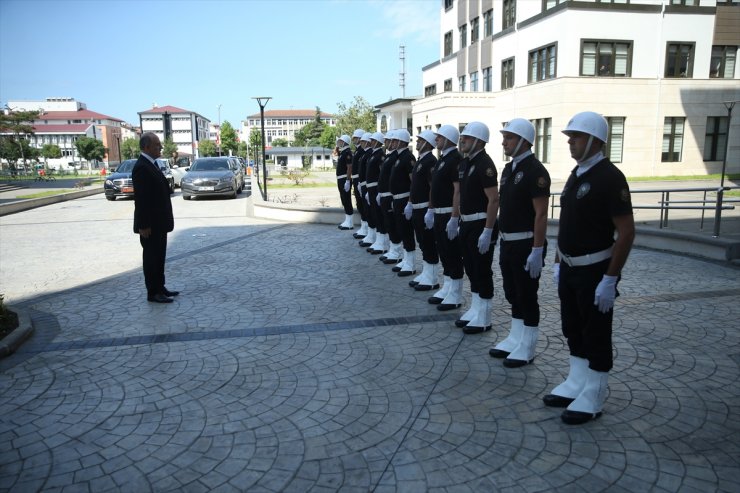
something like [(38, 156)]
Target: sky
[(122, 56)]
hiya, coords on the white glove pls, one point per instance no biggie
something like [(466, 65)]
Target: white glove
[(377, 199), (408, 210), (367, 198), (429, 219), (453, 227), (346, 186), (556, 273), (484, 240), (606, 292), (534, 262)]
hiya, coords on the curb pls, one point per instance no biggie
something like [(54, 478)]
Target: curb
[(11, 342), (27, 204)]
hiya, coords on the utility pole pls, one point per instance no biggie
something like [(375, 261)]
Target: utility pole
[(218, 130), (402, 74)]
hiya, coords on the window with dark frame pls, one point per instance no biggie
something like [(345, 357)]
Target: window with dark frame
[(430, 90), (448, 85), (463, 36), (542, 63), (679, 59), (509, 11), (673, 131), (487, 82), (461, 83), (448, 4), (715, 139), (615, 139), (722, 64), (548, 4), (448, 44), (474, 30), (507, 73), (542, 139), (474, 82), (606, 58), (488, 23), (692, 3)]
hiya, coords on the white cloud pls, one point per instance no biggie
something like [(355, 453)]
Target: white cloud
[(409, 20)]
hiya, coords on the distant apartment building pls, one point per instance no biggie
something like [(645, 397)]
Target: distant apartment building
[(282, 124), (662, 72), (185, 128)]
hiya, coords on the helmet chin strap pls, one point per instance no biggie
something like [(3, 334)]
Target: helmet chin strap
[(588, 147), (518, 146)]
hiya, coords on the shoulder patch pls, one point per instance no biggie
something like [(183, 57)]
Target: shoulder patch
[(542, 182), (624, 195), (490, 171)]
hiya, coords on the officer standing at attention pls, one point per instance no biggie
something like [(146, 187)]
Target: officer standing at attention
[(344, 181), (400, 188), (374, 156), (477, 197), (524, 190), (384, 201), (359, 202), (595, 203), (416, 209), (445, 182), (366, 148)]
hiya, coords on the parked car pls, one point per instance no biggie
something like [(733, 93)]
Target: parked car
[(213, 176), (164, 165), (119, 184), (178, 172)]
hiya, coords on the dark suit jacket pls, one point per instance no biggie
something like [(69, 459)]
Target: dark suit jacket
[(152, 208)]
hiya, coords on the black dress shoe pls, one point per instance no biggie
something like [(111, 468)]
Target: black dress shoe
[(396, 268), (159, 298), (358, 236), (364, 244), (406, 273), (498, 353), (413, 284), (577, 417), (552, 400), (426, 287), (169, 293), (389, 261), (445, 307), (461, 323), (476, 329), (433, 300), (515, 363)]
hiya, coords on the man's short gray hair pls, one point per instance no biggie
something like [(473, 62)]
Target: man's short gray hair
[(146, 140)]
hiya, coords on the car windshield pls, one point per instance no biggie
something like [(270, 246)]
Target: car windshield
[(126, 166), (209, 165)]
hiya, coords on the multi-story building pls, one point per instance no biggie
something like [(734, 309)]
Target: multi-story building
[(661, 71), (282, 124), (185, 128)]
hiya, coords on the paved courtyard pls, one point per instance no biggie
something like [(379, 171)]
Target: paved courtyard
[(294, 361)]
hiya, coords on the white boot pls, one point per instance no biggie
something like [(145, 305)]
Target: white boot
[(369, 239), (503, 348), (394, 255), (408, 267), (566, 392), (362, 232), (523, 354), (437, 297), (454, 297), (481, 322), (430, 282), (466, 317), (425, 278), (590, 401), (347, 224), (378, 245)]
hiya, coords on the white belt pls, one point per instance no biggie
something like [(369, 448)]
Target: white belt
[(341, 176), (588, 259), (443, 210), (355, 176), (474, 217), (363, 183), (401, 195), (516, 236), (372, 184), (385, 194), (420, 206)]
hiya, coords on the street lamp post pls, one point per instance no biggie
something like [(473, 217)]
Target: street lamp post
[(721, 191), (262, 102), (218, 130), (118, 139)]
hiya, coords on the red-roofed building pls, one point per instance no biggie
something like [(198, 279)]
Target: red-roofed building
[(283, 124), (186, 128)]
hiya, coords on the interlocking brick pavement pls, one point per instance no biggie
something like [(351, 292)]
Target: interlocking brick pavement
[(295, 361)]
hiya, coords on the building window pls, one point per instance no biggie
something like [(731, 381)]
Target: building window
[(509, 14), (548, 4), (474, 30), (679, 60), (542, 138), (606, 58), (463, 36), (474, 82), (685, 2), (487, 23), (461, 83), (672, 139), (448, 43), (615, 139), (542, 63), (430, 90), (507, 73), (487, 83), (448, 85), (722, 65), (448, 4), (715, 140)]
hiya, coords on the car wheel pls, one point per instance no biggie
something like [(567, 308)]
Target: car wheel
[(233, 195), (239, 190), (110, 197), (172, 187), (186, 197)]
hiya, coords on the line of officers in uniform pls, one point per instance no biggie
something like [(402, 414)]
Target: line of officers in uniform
[(455, 209)]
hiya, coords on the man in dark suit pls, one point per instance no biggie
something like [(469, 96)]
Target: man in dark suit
[(152, 217)]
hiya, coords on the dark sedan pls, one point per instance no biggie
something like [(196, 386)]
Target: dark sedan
[(119, 184), (213, 176)]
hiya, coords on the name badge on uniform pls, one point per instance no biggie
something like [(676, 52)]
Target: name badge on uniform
[(583, 190), (518, 177), (470, 171), (398, 161)]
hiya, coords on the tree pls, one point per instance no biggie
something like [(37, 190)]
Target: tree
[(207, 148), (228, 138), (310, 133), (279, 142), (10, 151), (90, 149), (169, 149), (328, 137), (130, 148), (243, 150), (357, 115), (51, 151), (20, 124)]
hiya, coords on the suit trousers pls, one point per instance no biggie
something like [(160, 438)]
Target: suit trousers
[(374, 217), (153, 256), (386, 209), (359, 200)]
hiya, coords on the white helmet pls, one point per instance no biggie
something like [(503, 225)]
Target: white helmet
[(477, 130), (449, 132), (378, 137), (589, 123), (366, 137), (521, 127), (402, 135), (390, 135), (428, 136), (344, 138), (358, 133)]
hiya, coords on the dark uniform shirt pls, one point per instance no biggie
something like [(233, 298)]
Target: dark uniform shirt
[(587, 205), (345, 158), (516, 191), (400, 181), (372, 165), (444, 175), (385, 171), (475, 175), (361, 165), (356, 157), (421, 178)]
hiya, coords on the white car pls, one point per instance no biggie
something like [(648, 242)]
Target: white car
[(178, 172)]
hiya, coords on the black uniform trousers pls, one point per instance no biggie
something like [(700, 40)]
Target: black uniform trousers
[(588, 331), (450, 252), (386, 209), (345, 197), (404, 227), (359, 199), (477, 267), (374, 218), (154, 251), (424, 237), (520, 289)]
